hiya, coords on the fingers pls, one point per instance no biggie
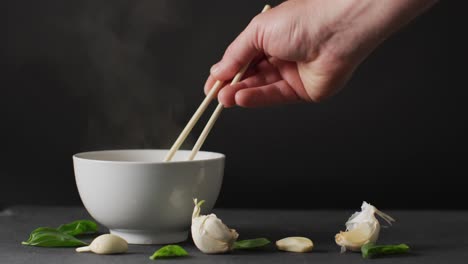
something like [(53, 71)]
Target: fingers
[(241, 51), (270, 82), (210, 81), (272, 94), (263, 86), (263, 73), (209, 84), (253, 69), (259, 90), (289, 72), (227, 94)]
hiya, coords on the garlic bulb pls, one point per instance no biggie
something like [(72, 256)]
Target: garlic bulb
[(210, 234), (106, 244), (361, 228)]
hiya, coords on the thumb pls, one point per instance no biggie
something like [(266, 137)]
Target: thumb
[(241, 51)]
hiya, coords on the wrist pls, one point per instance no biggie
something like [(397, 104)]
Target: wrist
[(361, 25)]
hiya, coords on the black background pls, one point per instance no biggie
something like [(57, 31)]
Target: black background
[(83, 75)]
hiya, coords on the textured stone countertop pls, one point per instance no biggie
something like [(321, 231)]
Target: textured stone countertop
[(434, 236)]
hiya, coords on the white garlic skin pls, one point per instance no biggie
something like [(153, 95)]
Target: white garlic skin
[(210, 234), (106, 244), (365, 216)]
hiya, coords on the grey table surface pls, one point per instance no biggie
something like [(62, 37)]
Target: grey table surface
[(434, 236)]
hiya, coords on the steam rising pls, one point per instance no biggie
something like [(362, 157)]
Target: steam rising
[(131, 48)]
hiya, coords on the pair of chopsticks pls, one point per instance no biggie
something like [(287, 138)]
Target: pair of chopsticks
[(196, 116)]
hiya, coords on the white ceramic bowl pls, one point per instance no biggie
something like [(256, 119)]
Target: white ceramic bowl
[(143, 199)]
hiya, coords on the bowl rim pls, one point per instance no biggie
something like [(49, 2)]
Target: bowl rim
[(79, 156)]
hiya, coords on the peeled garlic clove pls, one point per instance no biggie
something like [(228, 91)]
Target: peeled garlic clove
[(106, 244), (210, 234), (353, 240), (362, 227), (295, 244)]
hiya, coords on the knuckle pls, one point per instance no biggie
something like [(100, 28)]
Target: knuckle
[(256, 30), (256, 21), (231, 59)]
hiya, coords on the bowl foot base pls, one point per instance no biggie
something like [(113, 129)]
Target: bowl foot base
[(141, 237)]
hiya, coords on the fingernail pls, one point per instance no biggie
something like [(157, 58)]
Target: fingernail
[(214, 68)]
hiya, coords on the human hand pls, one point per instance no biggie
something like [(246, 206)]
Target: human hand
[(306, 50)]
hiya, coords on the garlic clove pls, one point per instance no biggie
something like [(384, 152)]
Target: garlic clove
[(361, 227), (295, 244), (218, 230), (354, 239), (210, 234), (208, 245), (106, 244)]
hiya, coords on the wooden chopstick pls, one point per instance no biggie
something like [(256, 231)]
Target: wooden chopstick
[(196, 116), (183, 135), (214, 117)]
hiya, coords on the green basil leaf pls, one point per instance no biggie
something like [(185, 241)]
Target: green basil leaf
[(169, 251), (371, 250), (251, 243), (78, 227), (51, 237)]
